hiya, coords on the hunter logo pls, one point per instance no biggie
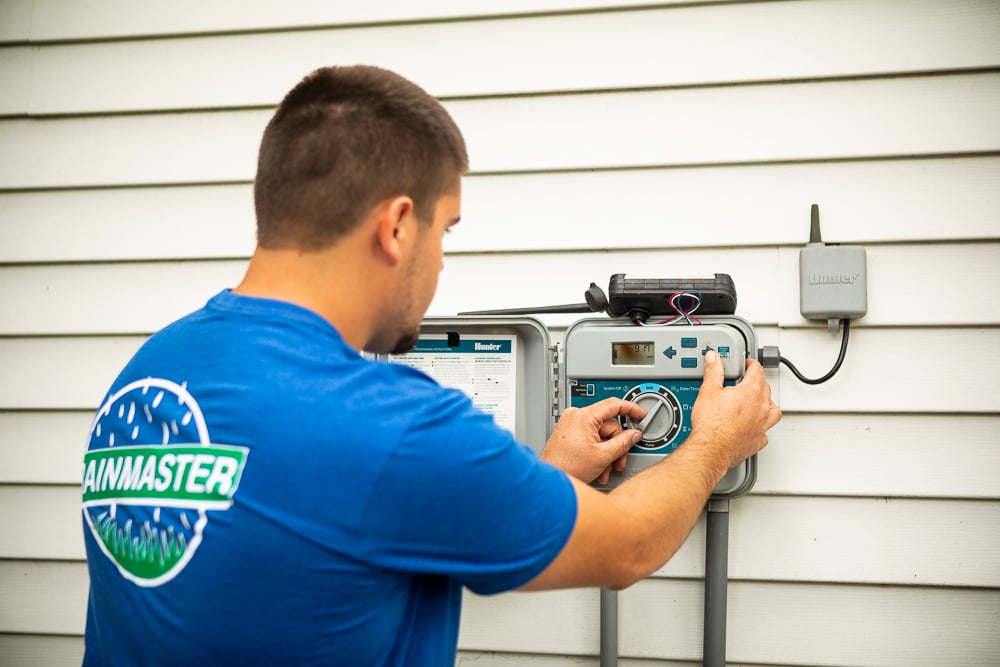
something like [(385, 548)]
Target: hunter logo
[(833, 278), (150, 476)]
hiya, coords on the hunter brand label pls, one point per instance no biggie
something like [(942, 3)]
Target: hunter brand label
[(150, 477)]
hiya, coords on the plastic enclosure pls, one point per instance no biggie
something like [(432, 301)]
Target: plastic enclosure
[(832, 282), (673, 378), (646, 296)]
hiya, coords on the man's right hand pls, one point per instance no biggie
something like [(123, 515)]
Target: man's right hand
[(733, 419), (626, 534)]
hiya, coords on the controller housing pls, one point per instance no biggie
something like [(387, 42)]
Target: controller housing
[(661, 368)]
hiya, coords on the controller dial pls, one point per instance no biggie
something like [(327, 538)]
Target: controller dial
[(664, 425)]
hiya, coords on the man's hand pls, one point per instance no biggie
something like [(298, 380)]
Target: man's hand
[(588, 442), (734, 419), (626, 534)]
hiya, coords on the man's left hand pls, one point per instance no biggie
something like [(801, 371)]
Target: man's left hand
[(589, 442)]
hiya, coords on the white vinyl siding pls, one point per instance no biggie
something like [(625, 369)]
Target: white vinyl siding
[(662, 139)]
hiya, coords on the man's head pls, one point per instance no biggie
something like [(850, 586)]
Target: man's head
[(343, 140)]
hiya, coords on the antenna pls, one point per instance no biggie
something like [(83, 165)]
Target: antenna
[(597, 302), (565, 308), (814, 235)]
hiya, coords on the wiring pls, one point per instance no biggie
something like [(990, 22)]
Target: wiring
[(836, 367), (686, 303), (685, 310)]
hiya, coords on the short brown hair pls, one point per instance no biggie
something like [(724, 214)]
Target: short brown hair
[(343, 140)]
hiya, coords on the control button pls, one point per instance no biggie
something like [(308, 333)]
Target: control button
[(689, 362), (689, 342), (724, 351), (670, 352), (708, 348)]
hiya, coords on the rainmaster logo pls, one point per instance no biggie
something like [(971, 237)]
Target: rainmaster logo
[(150, 477)]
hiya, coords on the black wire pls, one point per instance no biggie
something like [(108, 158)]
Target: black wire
[(836, 366)]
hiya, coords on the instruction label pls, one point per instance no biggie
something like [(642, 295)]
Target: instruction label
[(485, 368)]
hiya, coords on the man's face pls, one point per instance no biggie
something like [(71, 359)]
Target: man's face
[(419, 277)]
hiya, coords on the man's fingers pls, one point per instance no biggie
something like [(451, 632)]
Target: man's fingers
[(609, 429), (609, 408), (621, 443), (753, 369), (619, 447), (774, 416), (715, 372), (604, 476)]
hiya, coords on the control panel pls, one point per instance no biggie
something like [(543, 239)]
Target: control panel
[(660, 368), (511, 371)]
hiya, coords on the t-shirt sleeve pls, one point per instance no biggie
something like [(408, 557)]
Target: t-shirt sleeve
[(460, 497)]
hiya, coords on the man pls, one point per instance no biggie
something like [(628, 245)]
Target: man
[(257, 492)]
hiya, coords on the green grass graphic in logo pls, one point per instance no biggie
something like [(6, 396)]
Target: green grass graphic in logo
[(146, 556), (150, 476)]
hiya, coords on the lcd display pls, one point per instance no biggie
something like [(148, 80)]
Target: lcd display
[(633, 354)]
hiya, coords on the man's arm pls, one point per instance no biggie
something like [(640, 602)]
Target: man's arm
[(625, 535)]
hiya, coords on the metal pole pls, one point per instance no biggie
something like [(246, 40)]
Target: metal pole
[(609, 628), (716, 578)]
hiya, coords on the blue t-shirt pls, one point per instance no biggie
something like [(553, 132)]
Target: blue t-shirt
[(257, 492)]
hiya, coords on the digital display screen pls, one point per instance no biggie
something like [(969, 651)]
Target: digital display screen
[(632, 354)]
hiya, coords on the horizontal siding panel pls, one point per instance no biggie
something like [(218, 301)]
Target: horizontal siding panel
[(881, 455), (15, 20), (806, 624), (497, 659), (890, 370), (43, 522), (15, 77), (827, 120), (43, 447), (849, 540), (665, 47), (43, 598), (41, 651), (142, 297), (876, 541), (859, 540), (818, 625), (860, 202), (118, 298), (742, 124), (886, 454), (60, 373), (867, 201), (130, 150), (879, 374), (571, 621), (129, 223), (103, 19)]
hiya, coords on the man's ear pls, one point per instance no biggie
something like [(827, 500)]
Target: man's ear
[(393, 229)]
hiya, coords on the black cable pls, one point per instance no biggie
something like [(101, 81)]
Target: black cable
[(836, 366)]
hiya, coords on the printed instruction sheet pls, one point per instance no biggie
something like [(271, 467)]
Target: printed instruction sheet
[(484, 367)]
